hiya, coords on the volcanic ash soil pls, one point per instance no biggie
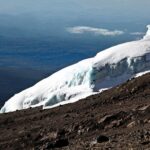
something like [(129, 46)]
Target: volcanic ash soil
[(118, 118)]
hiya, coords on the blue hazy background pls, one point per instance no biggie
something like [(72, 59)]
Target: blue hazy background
[(34, 41)]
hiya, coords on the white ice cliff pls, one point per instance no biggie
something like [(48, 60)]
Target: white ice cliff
[(107, 69)]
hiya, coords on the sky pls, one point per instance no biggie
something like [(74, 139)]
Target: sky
[(52, 17), (57, 27)]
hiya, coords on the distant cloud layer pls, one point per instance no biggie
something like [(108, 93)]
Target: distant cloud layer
[(137, 33), (96, 31)]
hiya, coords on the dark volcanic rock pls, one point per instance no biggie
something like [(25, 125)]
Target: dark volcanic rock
[(59, 143), (102, 138), (118, 118)]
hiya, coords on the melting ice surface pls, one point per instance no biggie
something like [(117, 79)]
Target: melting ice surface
[(107, 69)]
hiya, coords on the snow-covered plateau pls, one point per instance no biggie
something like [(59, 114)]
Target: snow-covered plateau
[(107, 69)]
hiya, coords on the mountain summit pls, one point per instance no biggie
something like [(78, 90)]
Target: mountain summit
[(107, 69)]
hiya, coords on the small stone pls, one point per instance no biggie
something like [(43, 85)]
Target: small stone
[(140, 122), (81, 131), (105, 118), (145, 142), (66, 115), (145, 108), (131, 124), (61, 143), (60, 132), (102, 138), (146, 121)]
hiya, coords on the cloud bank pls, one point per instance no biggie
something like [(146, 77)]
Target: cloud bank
[(96, 31), (137, 33)]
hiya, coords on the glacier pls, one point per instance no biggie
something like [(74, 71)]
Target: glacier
[(108, 68)]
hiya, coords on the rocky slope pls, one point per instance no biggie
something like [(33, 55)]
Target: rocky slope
[(118, 118)]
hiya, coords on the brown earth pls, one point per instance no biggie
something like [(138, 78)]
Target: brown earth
[(117, 119)]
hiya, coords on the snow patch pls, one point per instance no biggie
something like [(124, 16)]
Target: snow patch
[(147, 36), (141, 74)]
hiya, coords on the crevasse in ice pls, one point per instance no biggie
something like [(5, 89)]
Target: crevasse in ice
[(107, 69)]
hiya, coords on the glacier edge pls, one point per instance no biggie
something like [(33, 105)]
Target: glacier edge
[(107, 69)]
